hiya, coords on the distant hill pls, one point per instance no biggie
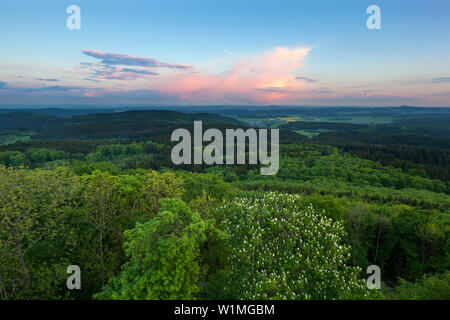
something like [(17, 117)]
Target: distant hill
[(57, 112), (27, 121), (155, 124), (128, 124)]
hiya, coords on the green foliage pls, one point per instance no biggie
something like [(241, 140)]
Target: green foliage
[(359, 221), (164, 257), (155, 186), (212, 184), (33, 157), (421, 243), (33, 205), (41, 155), (329, 205), (102, 208), (435, 287), (13, 159), (80, 168)]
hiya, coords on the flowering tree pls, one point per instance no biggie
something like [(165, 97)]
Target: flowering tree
[(283, 250)]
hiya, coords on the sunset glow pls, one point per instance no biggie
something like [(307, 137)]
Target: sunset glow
[(267, 56)]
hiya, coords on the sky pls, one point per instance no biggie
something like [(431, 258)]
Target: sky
[(225, 52)]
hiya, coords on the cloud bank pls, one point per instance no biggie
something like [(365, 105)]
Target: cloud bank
[(441, 79), (306, 79), (270, 77)]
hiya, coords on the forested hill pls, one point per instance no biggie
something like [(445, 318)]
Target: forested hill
[(155, 124), (24, 120), (128, 124)]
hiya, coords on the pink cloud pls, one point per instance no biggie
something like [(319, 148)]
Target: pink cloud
[(259, 78)]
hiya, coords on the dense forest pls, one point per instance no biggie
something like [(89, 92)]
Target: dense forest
[(356, 187)]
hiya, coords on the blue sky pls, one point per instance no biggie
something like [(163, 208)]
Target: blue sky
[(225, 52)]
